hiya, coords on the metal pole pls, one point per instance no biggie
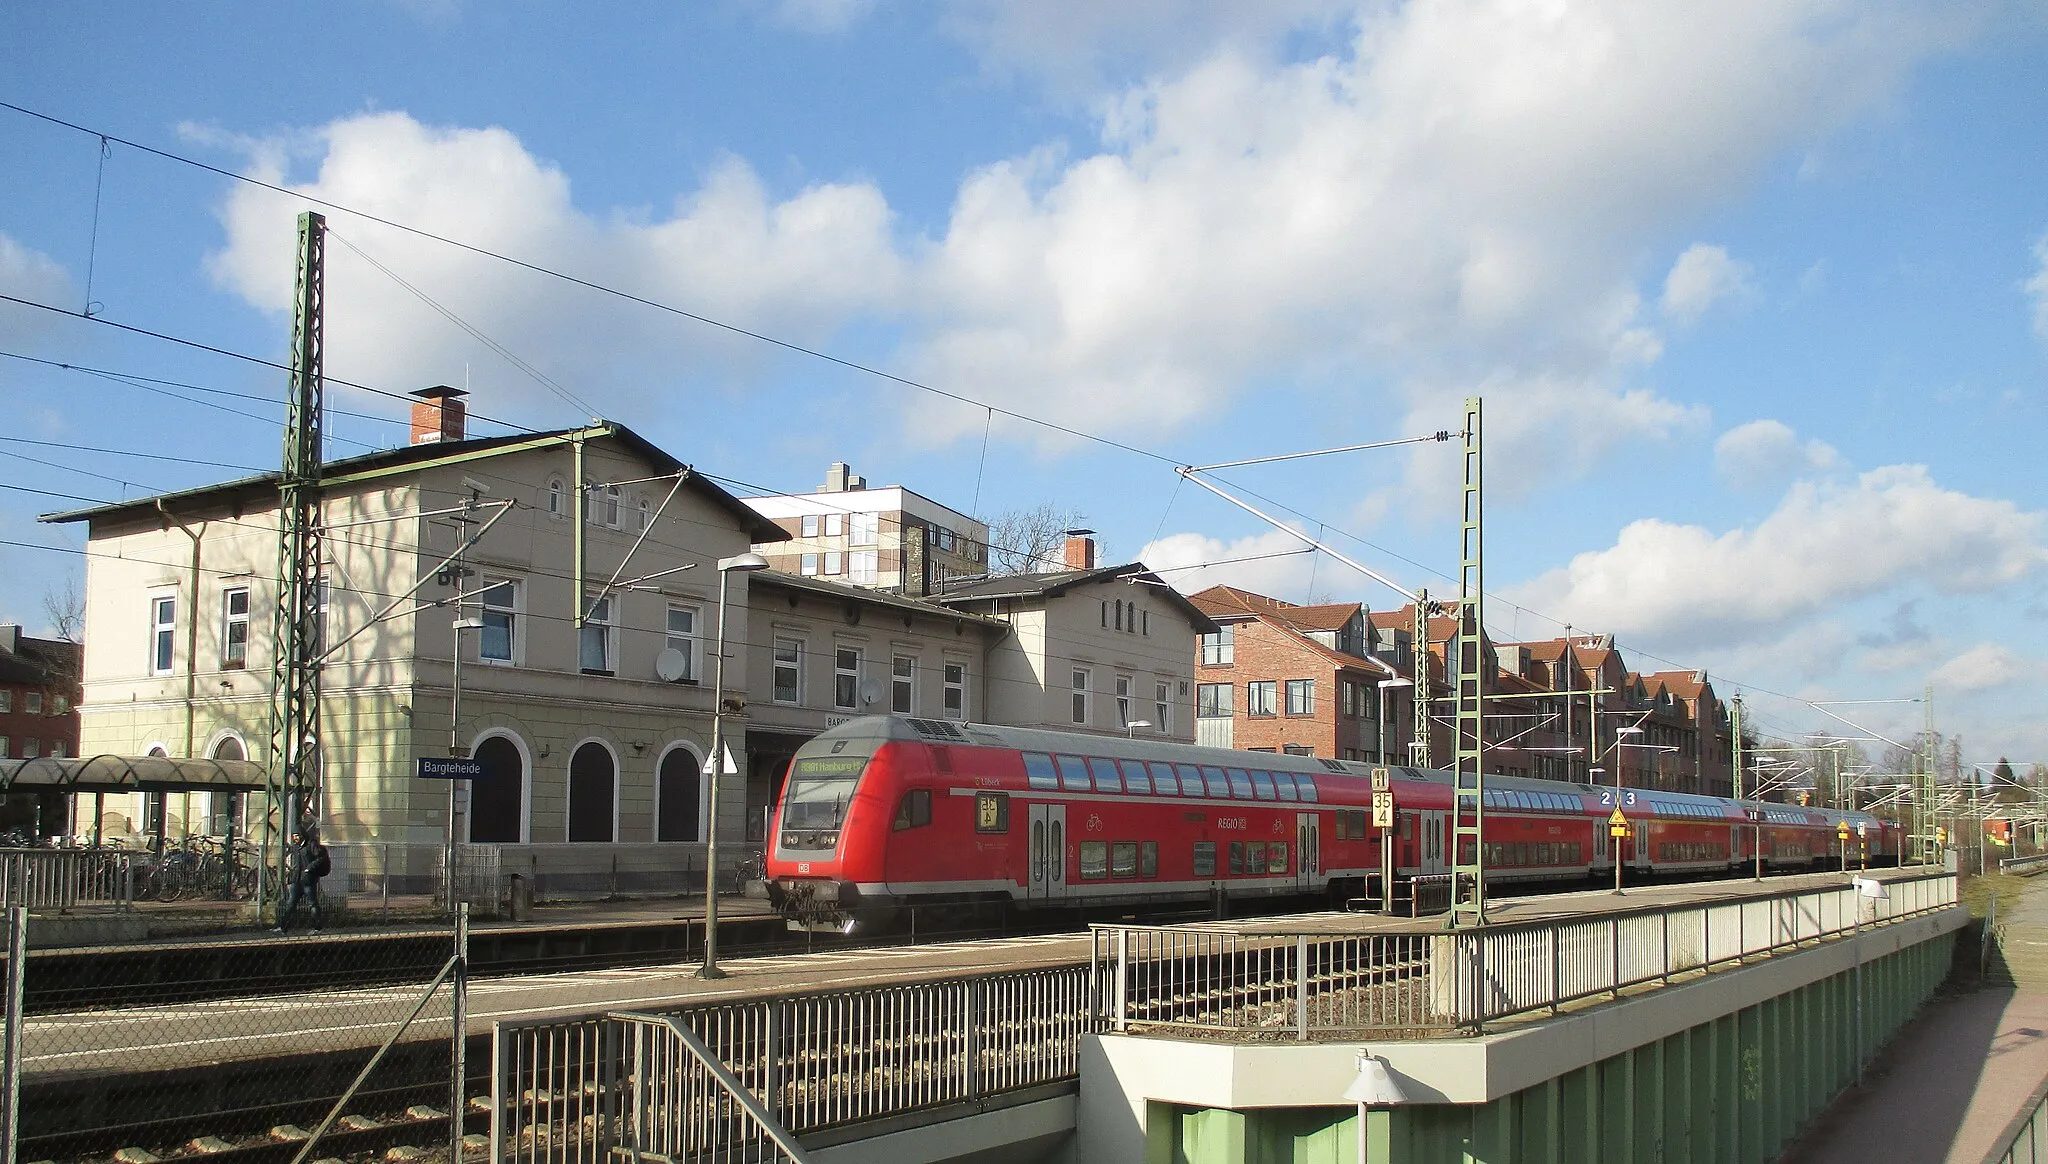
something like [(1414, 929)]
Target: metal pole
[(10, 1056), (458, 1048), (454, 741), (713, 768)]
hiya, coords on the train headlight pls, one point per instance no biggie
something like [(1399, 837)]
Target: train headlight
[(792, 840), (830, 840)]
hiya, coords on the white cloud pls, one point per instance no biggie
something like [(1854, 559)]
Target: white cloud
[(1768, 452), (1703, 276), (1983, 666), (1281, 577), (1464, 192), (1825, 544), (796, 267), (32, 275), (2037, 287)]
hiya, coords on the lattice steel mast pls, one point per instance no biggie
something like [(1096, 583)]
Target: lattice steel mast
[(1468, 795), (295, 676)]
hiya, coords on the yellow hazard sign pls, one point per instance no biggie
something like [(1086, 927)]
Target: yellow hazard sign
[(1616, 819), (1842, 830)]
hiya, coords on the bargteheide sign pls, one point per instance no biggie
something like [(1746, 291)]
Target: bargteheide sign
[(447, 768)]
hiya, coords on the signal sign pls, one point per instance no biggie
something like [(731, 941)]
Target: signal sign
[(1617, 824), (1383, 810)]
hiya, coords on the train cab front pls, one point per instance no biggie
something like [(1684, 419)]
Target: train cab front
[(830, 830)]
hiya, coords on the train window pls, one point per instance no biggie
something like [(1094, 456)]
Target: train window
[(1190, 779), (1038, 766), (1217, 783), (1236, 858), (1163, 782), (1148, 859), (1073, 773), (1106, 777), (991, 812), (914, 810), (1262, 784), (1240, 784), (1094, 860), (1283, 784), (1276, 857), (1407, 823), (1255, 857), (1136, 779), (1123, 859), (1353, 821), (1205, 858), (1305, 784)]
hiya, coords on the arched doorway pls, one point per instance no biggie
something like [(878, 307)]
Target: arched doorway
[(679, 787), (224, 809), (593, 790), (497, 798)]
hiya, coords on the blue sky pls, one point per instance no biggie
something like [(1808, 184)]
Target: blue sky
[(1756, 293)]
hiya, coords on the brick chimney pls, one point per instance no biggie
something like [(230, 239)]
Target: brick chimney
[(438, 415), (1080, 549)]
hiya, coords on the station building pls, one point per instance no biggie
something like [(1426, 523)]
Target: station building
[(593, 736)]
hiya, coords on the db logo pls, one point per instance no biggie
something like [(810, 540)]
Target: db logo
[(803, 867)]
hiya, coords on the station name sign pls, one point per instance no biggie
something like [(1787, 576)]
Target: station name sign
[(447, 768)]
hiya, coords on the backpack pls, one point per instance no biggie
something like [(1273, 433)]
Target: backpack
[(322, 864)]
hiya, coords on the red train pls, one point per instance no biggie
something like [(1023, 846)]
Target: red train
[(888, 811)]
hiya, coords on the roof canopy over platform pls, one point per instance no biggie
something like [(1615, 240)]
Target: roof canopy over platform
[(129, 774)]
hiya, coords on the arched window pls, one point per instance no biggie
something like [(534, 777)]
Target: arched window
[(495, 798), (679, 789), (646, 514), (555, 497), (224, 809), (593, 778)]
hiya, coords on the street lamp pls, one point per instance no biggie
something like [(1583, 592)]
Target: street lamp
[(1593, 776), (454, 744), (1375, 1087), (1131, 728), (715, 766), (1618, 733), (1384, 684)]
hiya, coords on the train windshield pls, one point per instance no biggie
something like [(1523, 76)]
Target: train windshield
[(819, 790)]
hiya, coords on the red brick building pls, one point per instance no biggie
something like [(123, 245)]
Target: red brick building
[(1278, 677), (39, 693)]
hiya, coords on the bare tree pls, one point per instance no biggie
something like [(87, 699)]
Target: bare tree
[(65, 610), (1025, 541)]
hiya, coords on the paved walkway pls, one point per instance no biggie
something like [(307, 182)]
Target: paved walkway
[(1950, 1084)]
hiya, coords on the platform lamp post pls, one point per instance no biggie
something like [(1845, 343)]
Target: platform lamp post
[(1385, 684), (1616, 749), (1375, 1091), (715, 766)]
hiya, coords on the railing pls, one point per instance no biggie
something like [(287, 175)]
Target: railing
[(561, 1087), (680, 1103), (63, 878), (2023, 865), (1303, 984), (2025, 1139)]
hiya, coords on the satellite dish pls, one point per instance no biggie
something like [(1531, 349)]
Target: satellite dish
[(671, 664), (870, 692)]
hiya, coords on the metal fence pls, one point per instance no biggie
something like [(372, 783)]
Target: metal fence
[(66, 878), (2025, 1139), (574, 1091), (1305, 984), (2023, 865)]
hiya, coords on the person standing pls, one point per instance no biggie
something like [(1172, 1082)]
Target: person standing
[(309, 862)]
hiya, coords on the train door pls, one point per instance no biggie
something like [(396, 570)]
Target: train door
[(1434, 844), (1308, 850), (1048, 851)]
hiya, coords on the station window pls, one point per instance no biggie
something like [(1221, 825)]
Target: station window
[(915, 809)]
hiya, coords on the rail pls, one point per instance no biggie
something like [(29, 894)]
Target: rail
[(2025, 1139), (64, 878), (1306, 984), (563, 1089), (681, 1103)]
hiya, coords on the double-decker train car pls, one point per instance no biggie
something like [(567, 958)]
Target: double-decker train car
[(886, 812)]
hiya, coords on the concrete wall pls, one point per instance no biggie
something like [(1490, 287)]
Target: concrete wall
[(1725, 1068)]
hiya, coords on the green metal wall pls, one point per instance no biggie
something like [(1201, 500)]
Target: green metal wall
[(1731, 1091)]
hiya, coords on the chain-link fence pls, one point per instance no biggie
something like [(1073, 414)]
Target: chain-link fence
[(313, 1045)]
